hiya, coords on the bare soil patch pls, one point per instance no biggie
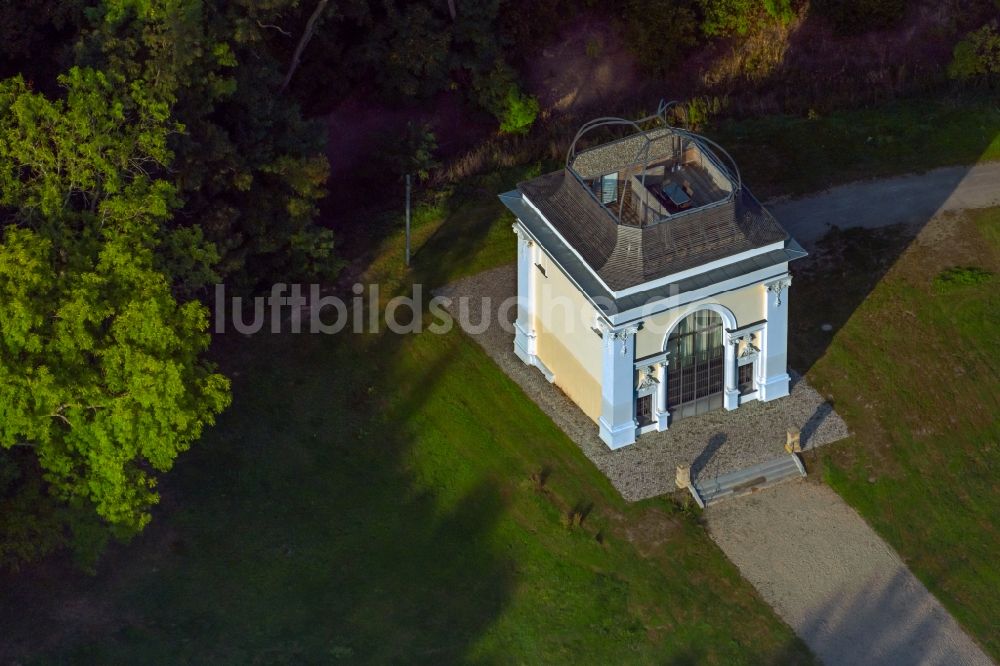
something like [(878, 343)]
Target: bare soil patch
[(587, 66)]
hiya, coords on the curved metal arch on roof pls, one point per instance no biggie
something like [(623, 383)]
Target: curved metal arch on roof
[(735, 175), (643, 153)]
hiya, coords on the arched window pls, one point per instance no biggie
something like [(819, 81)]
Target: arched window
[(696, 374)]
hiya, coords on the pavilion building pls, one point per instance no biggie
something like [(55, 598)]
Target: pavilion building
[(652, 286)]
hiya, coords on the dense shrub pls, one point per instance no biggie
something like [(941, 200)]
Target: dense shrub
[(783, 10), (977, 56), (698, 111), (659, 33), (498, 92), (961, 276), (850, 16), (519, 112), (722, 17)]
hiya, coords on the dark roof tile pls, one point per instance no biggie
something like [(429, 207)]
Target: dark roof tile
[(626, 256)]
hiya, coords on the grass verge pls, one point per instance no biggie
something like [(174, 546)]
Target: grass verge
[(914, 373), (793, 155)]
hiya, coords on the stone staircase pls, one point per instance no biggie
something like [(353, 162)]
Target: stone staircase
[(745, 481)]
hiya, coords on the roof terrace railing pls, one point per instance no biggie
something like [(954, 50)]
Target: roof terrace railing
[(643, 156)]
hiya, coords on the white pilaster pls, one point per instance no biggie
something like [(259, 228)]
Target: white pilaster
[(774, 341), (731, 396), (662, 415), (525, 340), (617, 420)]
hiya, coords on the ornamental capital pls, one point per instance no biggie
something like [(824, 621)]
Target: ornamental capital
[(778, 286), (749, 348), (622, 335), (523, 237), (647, 378)]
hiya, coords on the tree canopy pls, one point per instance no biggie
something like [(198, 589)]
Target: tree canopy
[(249, 169), (164, 159), (101, 375)]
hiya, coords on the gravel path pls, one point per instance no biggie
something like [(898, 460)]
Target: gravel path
[(712, 444), (911, 199), (842, 589)]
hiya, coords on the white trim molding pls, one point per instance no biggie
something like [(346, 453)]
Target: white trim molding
[(774, 381), (525, 337), (728, 318), (617, 421)]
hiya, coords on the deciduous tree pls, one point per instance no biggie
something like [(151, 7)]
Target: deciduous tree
[(249, 170), (101, 369)]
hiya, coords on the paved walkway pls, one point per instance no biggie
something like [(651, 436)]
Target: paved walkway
[(842, 589), (912, 199), (712, 444)]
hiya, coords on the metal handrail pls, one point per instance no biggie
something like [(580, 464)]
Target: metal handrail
[(642, 155)]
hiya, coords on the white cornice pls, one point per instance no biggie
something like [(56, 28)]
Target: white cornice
[(670, 302), (697, 270), (659, 282)]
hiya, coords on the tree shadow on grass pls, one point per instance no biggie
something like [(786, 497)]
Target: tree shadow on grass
[(472, 213), (855, 233), (295, 532), (842, 269), (893, 620)]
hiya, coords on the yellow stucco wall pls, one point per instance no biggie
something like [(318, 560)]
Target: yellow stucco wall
[(568, 347), (746, 304), (565, 342)]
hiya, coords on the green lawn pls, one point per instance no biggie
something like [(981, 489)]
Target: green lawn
[(386, 499), (793, 155), (914, 372)]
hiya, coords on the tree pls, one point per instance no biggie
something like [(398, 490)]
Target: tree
[(850, 16), (101, 375), (412, 152), (408, 50), (36, 36), (307, 35), (659, 33), (977, 56), (723, 17), (250, 171)]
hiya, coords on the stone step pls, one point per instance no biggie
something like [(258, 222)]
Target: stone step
[(750, 479), (749, 483), (770, 468)]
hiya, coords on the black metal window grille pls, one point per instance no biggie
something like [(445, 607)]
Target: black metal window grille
[(644, 410), (696, 377), (745, 378)]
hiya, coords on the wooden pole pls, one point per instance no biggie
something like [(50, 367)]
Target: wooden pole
[(407, 219)]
